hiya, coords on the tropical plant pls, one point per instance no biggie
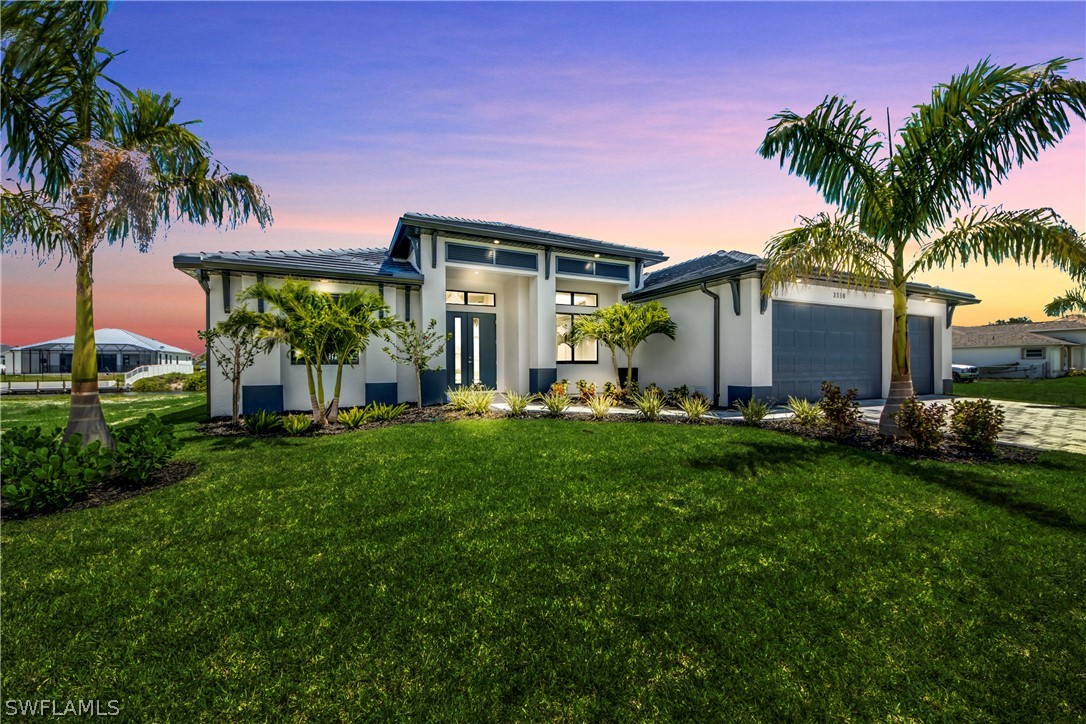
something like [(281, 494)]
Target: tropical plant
[(649, 405), (384, 412), (233, 343), (459, 397), (46, 471), (923, 423), (694, 408), (555, 402), (585, 389), (625, 327), (478, 401), (806, 414), (676, 395), (561, 387), (600, 405), (840, 413), (296, 424), (753, 410), (896, 196), (412, 346), (354, 417), (518, 404), (321, 329), (143, 448), (976, 423), (262, 422), (196, 382), (1073, 300), (95, 162)]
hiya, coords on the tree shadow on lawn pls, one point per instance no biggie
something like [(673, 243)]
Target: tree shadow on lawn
[(748, 460), (245, 442)]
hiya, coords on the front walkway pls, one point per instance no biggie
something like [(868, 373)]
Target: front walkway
[(1041, 427)]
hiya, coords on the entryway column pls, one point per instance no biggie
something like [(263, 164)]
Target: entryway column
[(543, 370)]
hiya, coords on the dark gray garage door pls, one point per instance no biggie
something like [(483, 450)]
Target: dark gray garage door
[(922, 355), (816, 342)]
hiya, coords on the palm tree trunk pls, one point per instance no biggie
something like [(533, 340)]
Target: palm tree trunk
[(318, 411), (901, 380), (629, 368), (333, 407), (614, 361), (320, 393), (85, 418)]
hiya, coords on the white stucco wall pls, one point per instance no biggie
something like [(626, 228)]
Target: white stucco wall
[(995, 356)]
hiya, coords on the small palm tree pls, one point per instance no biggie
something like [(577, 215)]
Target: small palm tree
[(355, 318), (625, 327), (897, 200), (96, 163)]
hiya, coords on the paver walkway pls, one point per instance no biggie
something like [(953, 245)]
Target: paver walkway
[(1042, 427)]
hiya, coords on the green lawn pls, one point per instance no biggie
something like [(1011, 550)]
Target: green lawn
[(558, 570), (1069, 391)]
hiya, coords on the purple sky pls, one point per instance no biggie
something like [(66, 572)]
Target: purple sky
[(633, 123)]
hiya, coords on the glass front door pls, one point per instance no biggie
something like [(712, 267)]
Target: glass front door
[(471, 354)]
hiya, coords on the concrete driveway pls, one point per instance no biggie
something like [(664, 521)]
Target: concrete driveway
[(1042, 427)]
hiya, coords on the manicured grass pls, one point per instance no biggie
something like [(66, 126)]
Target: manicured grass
[(1069, 391), (552, 569), (52, 410)]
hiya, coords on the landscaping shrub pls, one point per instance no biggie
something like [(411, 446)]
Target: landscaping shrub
[(753, 410), (518, 404), (694, 407), (163, 383), (1076, 372), (655, 389), (613, 390), (807, 415), (42, 471), (555, 402), (459, 397), (299, 424), (560, 387), (923, 423), (600, 405), (976, 423), (386, 413), (354, 417), (650, 404), (841, 413), (262, 422), (196, 382), (676, 395), (585, 389), (479, 401), (143, 448)]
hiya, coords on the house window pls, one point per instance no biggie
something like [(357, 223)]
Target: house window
[(329, 358), (576, 299), (1033, 353), (471, 299), (586, 351)]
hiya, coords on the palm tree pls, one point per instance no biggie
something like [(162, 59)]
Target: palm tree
[(1073, 300), (894, 198), (625, 327), (356, 317), (96, 162)]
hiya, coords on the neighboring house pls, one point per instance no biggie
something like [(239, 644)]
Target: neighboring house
[(1035, 349), (509, 294), (118, 351), (5, 359)]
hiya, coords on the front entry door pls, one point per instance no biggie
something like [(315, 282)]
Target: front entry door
[(472, 352)]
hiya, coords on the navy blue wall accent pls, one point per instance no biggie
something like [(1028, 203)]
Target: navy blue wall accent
[(382, 392), (260, 302), (622, 376), (745, 392), (261, 397), (948, 387), (433, 387), (227, 297), (407, 304), (540, 380)]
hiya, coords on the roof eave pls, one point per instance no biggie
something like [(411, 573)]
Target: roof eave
[(186, 263)]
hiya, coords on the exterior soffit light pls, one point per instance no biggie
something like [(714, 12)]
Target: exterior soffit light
[(596, 255)]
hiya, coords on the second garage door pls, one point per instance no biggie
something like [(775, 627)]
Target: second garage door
[(816, 342), (921, 354)]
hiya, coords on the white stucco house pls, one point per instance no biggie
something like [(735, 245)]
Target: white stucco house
[(118, 350), (1034, 349), (508, 295)]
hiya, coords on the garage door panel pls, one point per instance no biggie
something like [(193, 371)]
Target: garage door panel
[(922, 354), (814, 342)]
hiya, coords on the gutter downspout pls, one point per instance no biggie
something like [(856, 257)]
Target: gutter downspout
[(716, 343)]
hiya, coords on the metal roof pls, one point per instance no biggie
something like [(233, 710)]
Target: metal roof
[(347, 264), (520, 234), (723, 264), (113, 340)]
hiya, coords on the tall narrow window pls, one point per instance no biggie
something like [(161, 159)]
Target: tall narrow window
[(458, 372), (475, 349)]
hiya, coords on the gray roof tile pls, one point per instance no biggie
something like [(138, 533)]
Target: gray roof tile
[(332, 263)]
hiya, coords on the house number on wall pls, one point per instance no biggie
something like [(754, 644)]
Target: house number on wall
[(838, 295)]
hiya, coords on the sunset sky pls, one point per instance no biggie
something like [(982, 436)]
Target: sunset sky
[(631, 123)]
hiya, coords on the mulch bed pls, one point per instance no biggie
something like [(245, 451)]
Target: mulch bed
[(111, 490)]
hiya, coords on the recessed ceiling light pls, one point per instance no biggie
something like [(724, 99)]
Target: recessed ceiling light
[(496, 241), (596, 255)]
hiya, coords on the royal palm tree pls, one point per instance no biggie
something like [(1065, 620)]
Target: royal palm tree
[(625, 327), (898, 198), (97, 163)]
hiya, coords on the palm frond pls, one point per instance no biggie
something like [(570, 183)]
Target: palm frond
[(1073, 300), (977, 128), (834, 148), (824, 246), (1029, 236), (31, 219)]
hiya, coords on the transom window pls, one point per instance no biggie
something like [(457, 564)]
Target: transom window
[(329, 358), (586, 351), (471, 299), (1033, 353), (577, 299)]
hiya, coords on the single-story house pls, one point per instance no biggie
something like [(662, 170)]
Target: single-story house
[(1033, 349), (118, 351), (509, 294)]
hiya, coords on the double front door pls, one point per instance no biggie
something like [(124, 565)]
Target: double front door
[(471, 353)]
